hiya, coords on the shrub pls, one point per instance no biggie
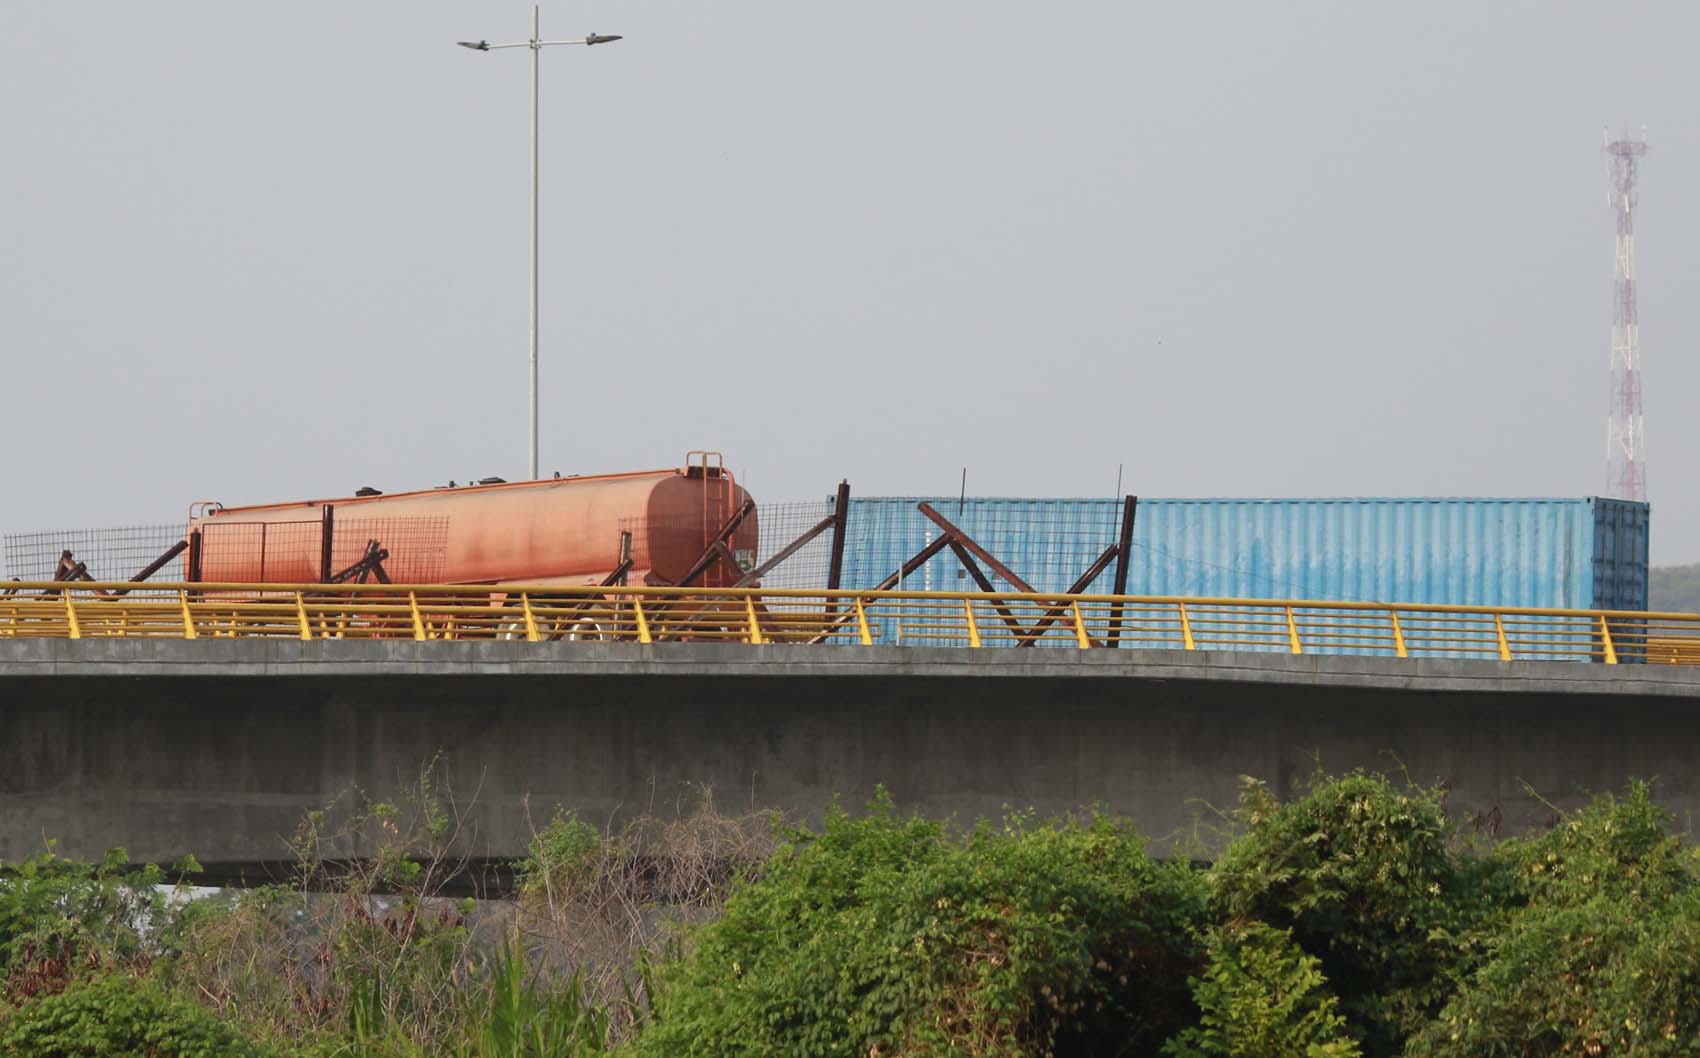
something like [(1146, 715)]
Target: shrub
[(562, 858), (884, 935), (1361, 874), (59, 917), (1599, 949), (117, 1016), (1597, 978), (1261, 996), (1621, 846)]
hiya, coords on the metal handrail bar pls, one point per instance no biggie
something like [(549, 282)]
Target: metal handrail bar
[(757, 616), (1049, 599)]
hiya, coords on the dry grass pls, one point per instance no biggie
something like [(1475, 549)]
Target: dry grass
[(373, 940), (609, 906)]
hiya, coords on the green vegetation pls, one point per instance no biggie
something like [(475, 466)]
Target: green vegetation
[(886, 935), (1363, 876), (1598, 952), (115, 1015), (1674, 588), (1353, 920), (1259, 993)]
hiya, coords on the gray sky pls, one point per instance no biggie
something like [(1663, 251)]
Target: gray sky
[(257, 252)]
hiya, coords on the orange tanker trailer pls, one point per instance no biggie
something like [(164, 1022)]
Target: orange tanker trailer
[(656, 527)]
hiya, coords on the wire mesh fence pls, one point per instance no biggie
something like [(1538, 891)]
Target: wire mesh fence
[(1048, 545), (418, 547), (244, 552), (671, 545), (781, 524), (666, 549), (294, 552), (108, 554), (261, 551)]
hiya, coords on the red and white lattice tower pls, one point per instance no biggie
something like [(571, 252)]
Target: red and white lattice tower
[(1626, 444)]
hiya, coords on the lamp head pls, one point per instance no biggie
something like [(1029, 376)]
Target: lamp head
[(475, 45)]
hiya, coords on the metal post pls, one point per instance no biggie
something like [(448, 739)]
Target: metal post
[(1124, 544), (1130, 506), (536, 51), (195, 555), (327, 530), (840, 522), (536, 43), (952, 532), (159, 563)]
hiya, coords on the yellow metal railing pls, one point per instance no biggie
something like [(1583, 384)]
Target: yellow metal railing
[(972, 620)]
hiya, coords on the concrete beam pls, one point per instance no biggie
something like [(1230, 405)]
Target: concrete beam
[(220, 747)]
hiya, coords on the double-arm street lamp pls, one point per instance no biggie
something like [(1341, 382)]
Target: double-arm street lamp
[(536, 44)]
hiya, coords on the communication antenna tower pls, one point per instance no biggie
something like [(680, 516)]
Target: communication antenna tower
[(1626, 443)]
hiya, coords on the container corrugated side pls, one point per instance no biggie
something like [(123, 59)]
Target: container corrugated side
[(1573, 553), (1620, 555)]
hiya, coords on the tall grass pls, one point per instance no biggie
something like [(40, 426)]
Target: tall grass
[(506, 1010), (516, 1016), (367, 959)]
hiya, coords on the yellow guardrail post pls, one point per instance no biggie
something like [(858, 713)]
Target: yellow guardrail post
[(973, 626), (257, 611), (755, 625), (1080, 628), (1504, 646), (531, 635), (188, 618)]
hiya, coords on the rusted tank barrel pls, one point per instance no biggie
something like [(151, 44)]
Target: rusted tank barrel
[(561, 530)]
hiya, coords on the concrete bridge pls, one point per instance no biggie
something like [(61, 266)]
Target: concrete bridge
[(220, 747)]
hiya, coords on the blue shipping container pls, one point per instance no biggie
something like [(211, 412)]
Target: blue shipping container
[(1570, 553)]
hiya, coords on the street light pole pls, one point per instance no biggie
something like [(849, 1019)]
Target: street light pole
[(536, 44), (531, 360)]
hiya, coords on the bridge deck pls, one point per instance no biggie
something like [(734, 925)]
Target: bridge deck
[(220, 747), (254, 659)]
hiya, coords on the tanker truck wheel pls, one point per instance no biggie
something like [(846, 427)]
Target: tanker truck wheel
[(582, 630)]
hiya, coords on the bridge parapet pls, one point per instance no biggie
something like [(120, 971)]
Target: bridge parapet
[(794, 617), (220, 746)]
